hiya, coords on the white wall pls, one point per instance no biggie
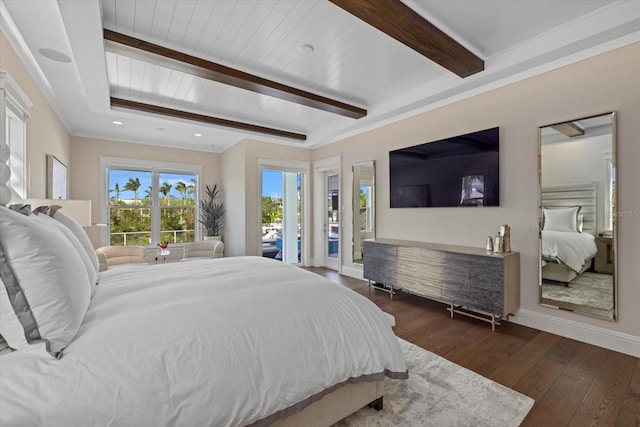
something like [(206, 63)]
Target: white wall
[(575, 162), (598, 85), (578, 162)]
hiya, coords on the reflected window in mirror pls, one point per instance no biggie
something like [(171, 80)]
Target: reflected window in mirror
[(363, 190), (577, 216)]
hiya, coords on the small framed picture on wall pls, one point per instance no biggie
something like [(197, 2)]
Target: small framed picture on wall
[(56, 178)]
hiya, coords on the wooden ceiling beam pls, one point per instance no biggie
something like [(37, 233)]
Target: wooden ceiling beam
[(180, 114), (164, 57), (569, 129), (399, 21)]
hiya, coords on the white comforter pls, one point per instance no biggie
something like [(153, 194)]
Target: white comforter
[(201, 343), (573, 249)]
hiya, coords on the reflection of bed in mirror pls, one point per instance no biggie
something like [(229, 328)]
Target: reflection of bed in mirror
[(568, 237), (577, 216)]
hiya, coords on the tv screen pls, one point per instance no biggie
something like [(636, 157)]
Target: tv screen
[(459, 171)]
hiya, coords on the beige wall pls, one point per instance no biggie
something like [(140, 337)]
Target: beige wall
[(85, 174), (234, 192), (605, 83), (45, 132)]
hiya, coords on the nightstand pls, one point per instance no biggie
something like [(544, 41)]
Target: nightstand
[(604, 257)]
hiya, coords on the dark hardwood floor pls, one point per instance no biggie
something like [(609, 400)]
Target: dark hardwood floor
[(573, 383)]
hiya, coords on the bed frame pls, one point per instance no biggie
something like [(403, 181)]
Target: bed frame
[(564, 196), (337, 405)]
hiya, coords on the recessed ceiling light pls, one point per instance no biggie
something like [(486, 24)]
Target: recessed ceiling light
[(197, 134), (306, 49), (116, 122), (54, 55)]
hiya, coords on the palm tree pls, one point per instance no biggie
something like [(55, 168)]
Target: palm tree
[(164, 189), (116, 190), (191, 188), (147, 193), (133, 185), (181, 188)]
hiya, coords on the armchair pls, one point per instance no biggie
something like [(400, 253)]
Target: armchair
[(204, 249), (109, 256)]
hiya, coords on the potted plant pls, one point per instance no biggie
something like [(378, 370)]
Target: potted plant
[(211, 213)]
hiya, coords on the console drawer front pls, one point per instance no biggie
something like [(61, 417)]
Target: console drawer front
[(419, 271), (379, 262), (474, 282)]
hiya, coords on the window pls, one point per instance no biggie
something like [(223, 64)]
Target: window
[(13, 116), (17, 155), (366, 204), (609, 193), (152, 204)]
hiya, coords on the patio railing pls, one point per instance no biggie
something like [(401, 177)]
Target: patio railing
[(172, 236)]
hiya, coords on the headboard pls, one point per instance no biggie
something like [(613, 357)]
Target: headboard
[(560, 196)]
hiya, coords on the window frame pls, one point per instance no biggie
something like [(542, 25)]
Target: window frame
[(156, 168), (14, 106), (609, 191)]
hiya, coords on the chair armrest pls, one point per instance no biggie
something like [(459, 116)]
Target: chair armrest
[(218, 250), (102, 260)]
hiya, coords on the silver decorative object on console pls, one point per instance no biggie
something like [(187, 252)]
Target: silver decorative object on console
[(505, 233), (490, 244), (497, 244)]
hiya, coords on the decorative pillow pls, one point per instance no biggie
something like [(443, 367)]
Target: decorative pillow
[(92, 273), (561, 219), (78, 231), (21, 208), (45, 290)]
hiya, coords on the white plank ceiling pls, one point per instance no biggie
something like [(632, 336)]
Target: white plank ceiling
[(351, 62)]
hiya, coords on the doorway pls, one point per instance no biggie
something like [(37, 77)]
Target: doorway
[(332, 220), (282, 215)]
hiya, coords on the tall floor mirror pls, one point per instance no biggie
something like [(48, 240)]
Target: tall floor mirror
[(577, 216), (364, 221)]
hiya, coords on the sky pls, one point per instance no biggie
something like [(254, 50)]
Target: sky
[(271, 182), (122, 177)]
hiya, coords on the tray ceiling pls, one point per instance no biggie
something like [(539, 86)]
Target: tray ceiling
[(312, 46)]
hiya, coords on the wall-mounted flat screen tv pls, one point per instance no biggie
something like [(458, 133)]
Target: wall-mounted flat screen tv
[(459, 171)]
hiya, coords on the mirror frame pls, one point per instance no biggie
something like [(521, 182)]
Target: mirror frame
[(355, 195), (613, 316)]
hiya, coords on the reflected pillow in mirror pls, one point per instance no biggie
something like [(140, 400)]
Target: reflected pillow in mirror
[(561, 219)]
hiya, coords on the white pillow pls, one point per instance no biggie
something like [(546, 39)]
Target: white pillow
[(45, 292), (78, 231), (92, 273), (561, 219)]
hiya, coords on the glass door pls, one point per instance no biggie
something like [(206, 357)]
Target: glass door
[(281, 215), (333, 218)]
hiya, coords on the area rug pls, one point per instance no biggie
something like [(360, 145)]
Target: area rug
[(588, 289), (441, 393)]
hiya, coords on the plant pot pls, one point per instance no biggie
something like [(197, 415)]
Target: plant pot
[(213, 238)]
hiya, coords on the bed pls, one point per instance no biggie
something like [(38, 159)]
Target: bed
[(568, 228), (209, 342)]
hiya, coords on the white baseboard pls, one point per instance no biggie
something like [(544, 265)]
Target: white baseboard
[(617, 341), (354, 272)]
